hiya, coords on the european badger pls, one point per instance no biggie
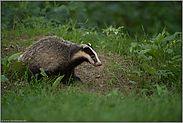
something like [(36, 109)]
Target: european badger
[(56, 56)]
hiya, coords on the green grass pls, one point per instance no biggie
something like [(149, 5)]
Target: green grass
[(72, 105), (36, 101)]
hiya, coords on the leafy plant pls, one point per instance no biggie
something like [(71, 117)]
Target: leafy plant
[(9, 65), (43, 73), (4, 78), (111, 31), (56, 82), (159, 57)]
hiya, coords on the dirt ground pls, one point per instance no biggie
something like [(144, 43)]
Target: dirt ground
[(106, 78)]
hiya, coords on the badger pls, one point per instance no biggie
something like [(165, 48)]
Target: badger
[(58, 57)]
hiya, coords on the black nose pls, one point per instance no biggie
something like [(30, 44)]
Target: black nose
[(99, 64)]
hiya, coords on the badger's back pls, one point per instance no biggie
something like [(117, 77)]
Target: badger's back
[(51, 53)]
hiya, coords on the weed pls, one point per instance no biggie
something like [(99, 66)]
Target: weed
[(155, 57)]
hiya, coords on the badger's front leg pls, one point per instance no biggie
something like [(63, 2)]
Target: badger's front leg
[(75, 78), (70, 77)]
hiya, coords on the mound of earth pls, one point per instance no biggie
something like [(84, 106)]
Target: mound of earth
[(105, 78)]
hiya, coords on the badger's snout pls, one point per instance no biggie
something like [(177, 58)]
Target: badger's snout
[(98, 64)]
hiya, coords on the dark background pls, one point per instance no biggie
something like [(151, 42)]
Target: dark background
[(136, 17)]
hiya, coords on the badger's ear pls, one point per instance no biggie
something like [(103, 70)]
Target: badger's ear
[(89, 45)]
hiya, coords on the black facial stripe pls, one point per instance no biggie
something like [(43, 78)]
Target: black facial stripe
[(89, 52)]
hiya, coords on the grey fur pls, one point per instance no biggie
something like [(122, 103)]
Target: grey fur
[(56, 55)]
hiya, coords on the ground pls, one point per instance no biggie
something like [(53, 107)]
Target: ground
[(105, 78)]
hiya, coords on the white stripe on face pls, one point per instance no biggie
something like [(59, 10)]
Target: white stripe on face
[(98, 61)]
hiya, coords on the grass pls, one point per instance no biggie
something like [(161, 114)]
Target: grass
[(73, 105), (106, 94)]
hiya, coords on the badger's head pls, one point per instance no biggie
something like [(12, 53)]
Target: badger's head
[(87, 53)]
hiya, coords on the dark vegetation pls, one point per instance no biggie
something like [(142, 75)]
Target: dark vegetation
[(139, 44), (137, 17)]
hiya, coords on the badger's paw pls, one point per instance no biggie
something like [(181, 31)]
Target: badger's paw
[(75, 78)]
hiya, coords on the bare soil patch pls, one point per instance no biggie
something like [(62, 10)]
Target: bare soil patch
[(105, 78)]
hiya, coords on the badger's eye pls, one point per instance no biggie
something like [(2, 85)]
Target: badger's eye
[(93, 57)]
